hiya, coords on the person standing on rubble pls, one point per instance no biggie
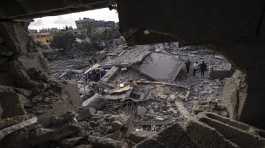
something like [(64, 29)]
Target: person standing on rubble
[(195, 68), (187, 63), (203, 68)]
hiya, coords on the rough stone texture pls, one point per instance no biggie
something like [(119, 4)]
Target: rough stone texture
[(171, 137), (138, 136), (84, 146), (241, 134), (205, 136), (69, 100), (235, 93), (11, 129), (1, 111), (11, 102), (235, 27), (70, 142), (24, 83), (220, 74)]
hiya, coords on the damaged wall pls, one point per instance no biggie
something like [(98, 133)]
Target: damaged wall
[(234, 27), (24, 83), (235, 94)]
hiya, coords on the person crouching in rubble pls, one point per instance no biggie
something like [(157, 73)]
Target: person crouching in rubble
[(195, 68), (203, 68), (187, 63)]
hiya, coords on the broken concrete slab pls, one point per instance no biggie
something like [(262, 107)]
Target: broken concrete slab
[(205, 136), (138, 136), (84, 146), (110, 74), (91, 100), (102, 142), (71, 142), (47, 135), (171, 137), (161, 83), (66, 99), (161, 67), (235, 94), (132, 56), (6, 131), (239, 133), (220, 74)]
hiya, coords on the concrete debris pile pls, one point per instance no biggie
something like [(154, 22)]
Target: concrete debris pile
[(27, 94), (138, 96)]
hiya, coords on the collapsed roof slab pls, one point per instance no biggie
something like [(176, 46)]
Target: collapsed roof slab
[(161, 67), (132, 56)]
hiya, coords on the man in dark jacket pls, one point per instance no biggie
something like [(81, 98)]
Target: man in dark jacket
[(203, 68), (187, 63)]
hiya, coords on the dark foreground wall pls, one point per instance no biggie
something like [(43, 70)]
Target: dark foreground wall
[(236, 28), (195, 21)]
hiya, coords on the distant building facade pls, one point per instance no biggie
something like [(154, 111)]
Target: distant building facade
[(44, 38), (91, 26)]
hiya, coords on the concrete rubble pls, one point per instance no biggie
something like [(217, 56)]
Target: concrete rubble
[(139, 96)]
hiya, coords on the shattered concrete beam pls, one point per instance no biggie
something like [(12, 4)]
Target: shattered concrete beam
[(205, 136), (13, 128), (223, 132), (110, 74), (161, 83), (105, 142), (242, 134)]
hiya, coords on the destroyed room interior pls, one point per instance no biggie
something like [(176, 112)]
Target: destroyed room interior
[(162, 74)]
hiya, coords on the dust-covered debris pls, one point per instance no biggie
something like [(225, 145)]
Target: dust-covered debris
[(139, 96), (128, 105)]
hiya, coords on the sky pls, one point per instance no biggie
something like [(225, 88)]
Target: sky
[(60, 21)]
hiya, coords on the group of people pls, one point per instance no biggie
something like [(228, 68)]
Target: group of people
[(202, 67)]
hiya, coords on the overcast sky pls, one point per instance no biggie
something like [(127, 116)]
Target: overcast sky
[(61, 21)]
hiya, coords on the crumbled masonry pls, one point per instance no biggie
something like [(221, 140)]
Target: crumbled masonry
[(133, 97)]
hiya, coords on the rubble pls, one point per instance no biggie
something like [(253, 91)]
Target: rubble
[(139, 96), (224, 132), (173, 136), (6, 131), (235, 93)]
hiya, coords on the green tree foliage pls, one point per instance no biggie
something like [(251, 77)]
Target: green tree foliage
[(63, 40)]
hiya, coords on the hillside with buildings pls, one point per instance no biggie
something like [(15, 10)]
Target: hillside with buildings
[(93, 33)]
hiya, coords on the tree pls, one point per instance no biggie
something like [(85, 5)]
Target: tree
[(63, 40)]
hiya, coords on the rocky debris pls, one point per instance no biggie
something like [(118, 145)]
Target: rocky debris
[(138, 136), (173, 136), (84, 146), (211, 106), (207, 137), (11, 102), (26, 91), (110, 74), (1, 111), (121, 105), (6, 131), (101, 142), (220, 74), (223, 132), (235, 93)]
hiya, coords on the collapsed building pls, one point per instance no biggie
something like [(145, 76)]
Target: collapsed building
[(144, 105)]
